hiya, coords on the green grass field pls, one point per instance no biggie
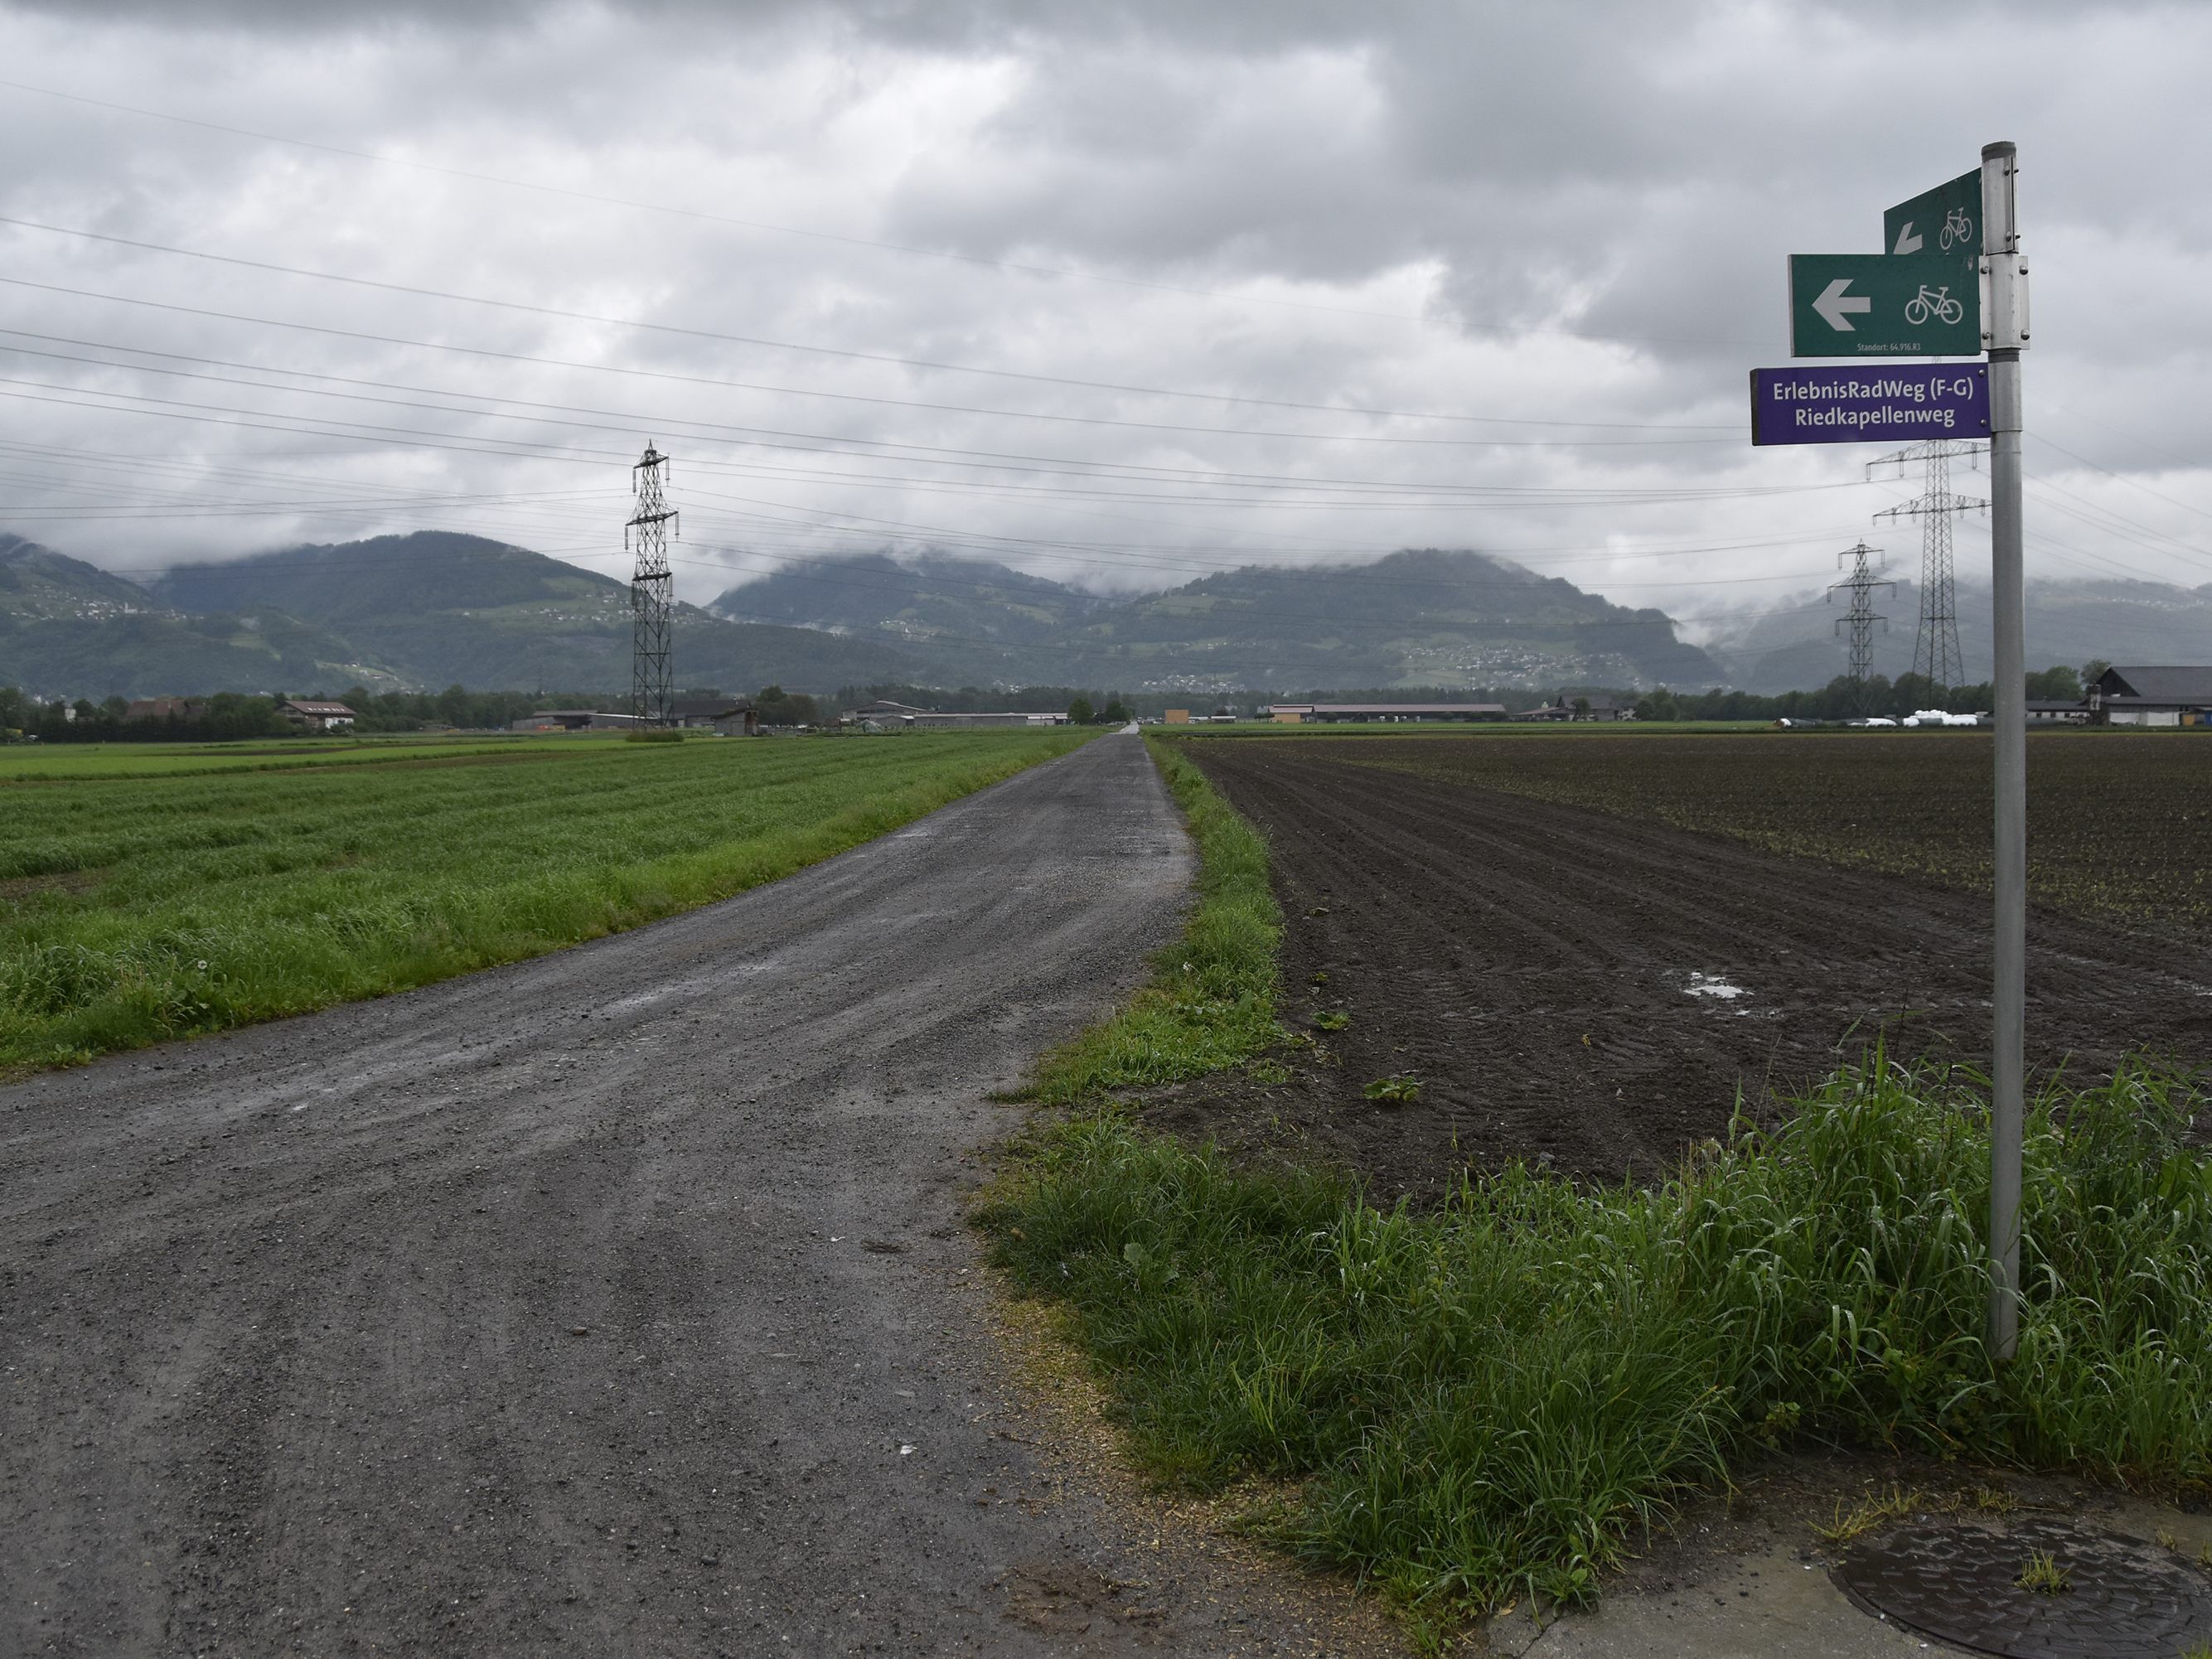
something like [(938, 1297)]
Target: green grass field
[(33, 764), (147, 894)]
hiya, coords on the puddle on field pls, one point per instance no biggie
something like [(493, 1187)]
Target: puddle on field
[(1712, 985)]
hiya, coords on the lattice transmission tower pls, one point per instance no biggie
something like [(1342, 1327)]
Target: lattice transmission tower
[(1935, 653), (1861, 584), (651, 593)]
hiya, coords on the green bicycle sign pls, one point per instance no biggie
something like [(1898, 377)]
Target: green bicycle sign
[(1882, 305)]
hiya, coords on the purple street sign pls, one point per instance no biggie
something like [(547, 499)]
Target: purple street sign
[(1869, 403)]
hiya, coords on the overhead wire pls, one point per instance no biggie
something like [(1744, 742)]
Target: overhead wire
[(1053, 416), (891, 359)]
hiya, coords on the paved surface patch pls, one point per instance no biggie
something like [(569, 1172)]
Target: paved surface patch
[(614, 1302)]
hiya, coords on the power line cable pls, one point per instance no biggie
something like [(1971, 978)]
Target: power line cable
[(1444, 497), (761, 437), (682, 331), (1735, 427)]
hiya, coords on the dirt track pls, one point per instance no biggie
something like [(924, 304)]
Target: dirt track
[(1537, 966), (615, 1303)]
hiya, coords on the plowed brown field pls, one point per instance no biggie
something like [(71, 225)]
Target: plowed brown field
[(1591, 990)]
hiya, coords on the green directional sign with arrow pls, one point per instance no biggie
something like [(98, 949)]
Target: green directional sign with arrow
[(1883, 305), (1945, 219)]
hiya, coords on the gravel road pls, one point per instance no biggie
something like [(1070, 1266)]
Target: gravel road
[(614, 1302)]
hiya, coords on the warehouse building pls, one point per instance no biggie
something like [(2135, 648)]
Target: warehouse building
[(577, 719), (885, 715), (1298, 713), (1580, 707), (2124, 696)]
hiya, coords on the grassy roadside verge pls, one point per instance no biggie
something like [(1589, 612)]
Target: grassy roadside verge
[(1492, 1399), (139, 909), (1211, 1002)]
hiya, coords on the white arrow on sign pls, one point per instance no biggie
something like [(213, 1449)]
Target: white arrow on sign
[(1836, 308), (1906, 241)]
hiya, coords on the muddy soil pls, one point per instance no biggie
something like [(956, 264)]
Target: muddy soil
[(1592, 993)]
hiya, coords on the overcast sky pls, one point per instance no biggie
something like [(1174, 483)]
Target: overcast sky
[(1121, 293)]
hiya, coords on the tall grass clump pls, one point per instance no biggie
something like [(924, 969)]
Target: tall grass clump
[(1211, 1001), (1491, 1398)]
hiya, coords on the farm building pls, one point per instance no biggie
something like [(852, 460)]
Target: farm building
[(731, 716), (1580, 707), (1010, 717), (2152, 696), (317, 715), (1294, 713), (576, 719), (885, 714)]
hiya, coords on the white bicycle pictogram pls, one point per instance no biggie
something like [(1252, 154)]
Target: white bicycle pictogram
[(1934, 302), (1957, 228)]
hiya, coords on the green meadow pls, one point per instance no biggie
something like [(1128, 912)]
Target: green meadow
[(148, 894)]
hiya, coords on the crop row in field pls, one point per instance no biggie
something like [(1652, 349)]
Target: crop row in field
[(82, 762), (145, 906), (2119, 825)]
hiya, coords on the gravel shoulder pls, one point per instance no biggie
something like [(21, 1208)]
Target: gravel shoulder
[(613, 1302)]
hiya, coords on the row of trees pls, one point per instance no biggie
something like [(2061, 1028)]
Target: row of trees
[(229, 715), (1844, 699), (226, 717)]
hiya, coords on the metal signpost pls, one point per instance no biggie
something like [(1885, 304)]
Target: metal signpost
[(2004, 327), (1869, 405), (1870, 305), (1951, 281)]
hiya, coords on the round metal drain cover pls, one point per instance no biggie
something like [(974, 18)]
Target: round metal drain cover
[(2123, 1600)]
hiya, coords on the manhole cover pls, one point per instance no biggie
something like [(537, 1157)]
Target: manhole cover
[(2123, 1600)]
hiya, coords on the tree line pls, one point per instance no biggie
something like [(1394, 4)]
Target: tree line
[(228, 716), (1844, 698)]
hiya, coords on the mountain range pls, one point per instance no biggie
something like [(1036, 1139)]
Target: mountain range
[(434, 608), (1798, 645), (397, 613), (1422, 617)]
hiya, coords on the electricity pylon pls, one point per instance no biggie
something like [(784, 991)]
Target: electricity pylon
[(652, 594), (1935, 653), (1861, 583)]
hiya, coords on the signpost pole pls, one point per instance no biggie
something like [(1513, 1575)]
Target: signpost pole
[(2004, 322)]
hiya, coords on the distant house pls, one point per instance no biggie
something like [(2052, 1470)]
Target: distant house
[(317, 716), (165, 709), (2125, 695), (1293, 714)]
